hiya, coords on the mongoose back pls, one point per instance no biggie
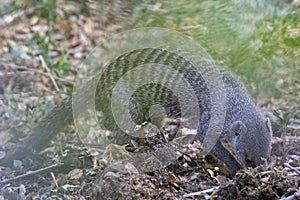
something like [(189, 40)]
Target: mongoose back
[(244, 123), (250, 144)]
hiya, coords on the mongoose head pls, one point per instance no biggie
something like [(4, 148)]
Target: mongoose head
[(251, 142)]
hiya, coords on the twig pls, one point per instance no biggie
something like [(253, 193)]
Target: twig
[(25, 68), (43, 73), (201, 192), (54, 179), (294, 196), (266, 172), (30, 173), (49, 72), (292, 168)]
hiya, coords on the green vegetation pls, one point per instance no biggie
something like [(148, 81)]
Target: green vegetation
[(44, 44), (253, 38), (258, 40)]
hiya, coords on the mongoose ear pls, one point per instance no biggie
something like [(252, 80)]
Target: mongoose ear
[(269, 126), (238, 127)]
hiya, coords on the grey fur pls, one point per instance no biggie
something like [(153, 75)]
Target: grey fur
[(254, 140), (249, 130)]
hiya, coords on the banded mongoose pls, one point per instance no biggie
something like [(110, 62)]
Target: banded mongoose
[(244, 123)]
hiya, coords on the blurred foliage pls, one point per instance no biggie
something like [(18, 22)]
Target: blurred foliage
[(258, 40), (253, 38), (9, 6), (284, 117), (48, 10)]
